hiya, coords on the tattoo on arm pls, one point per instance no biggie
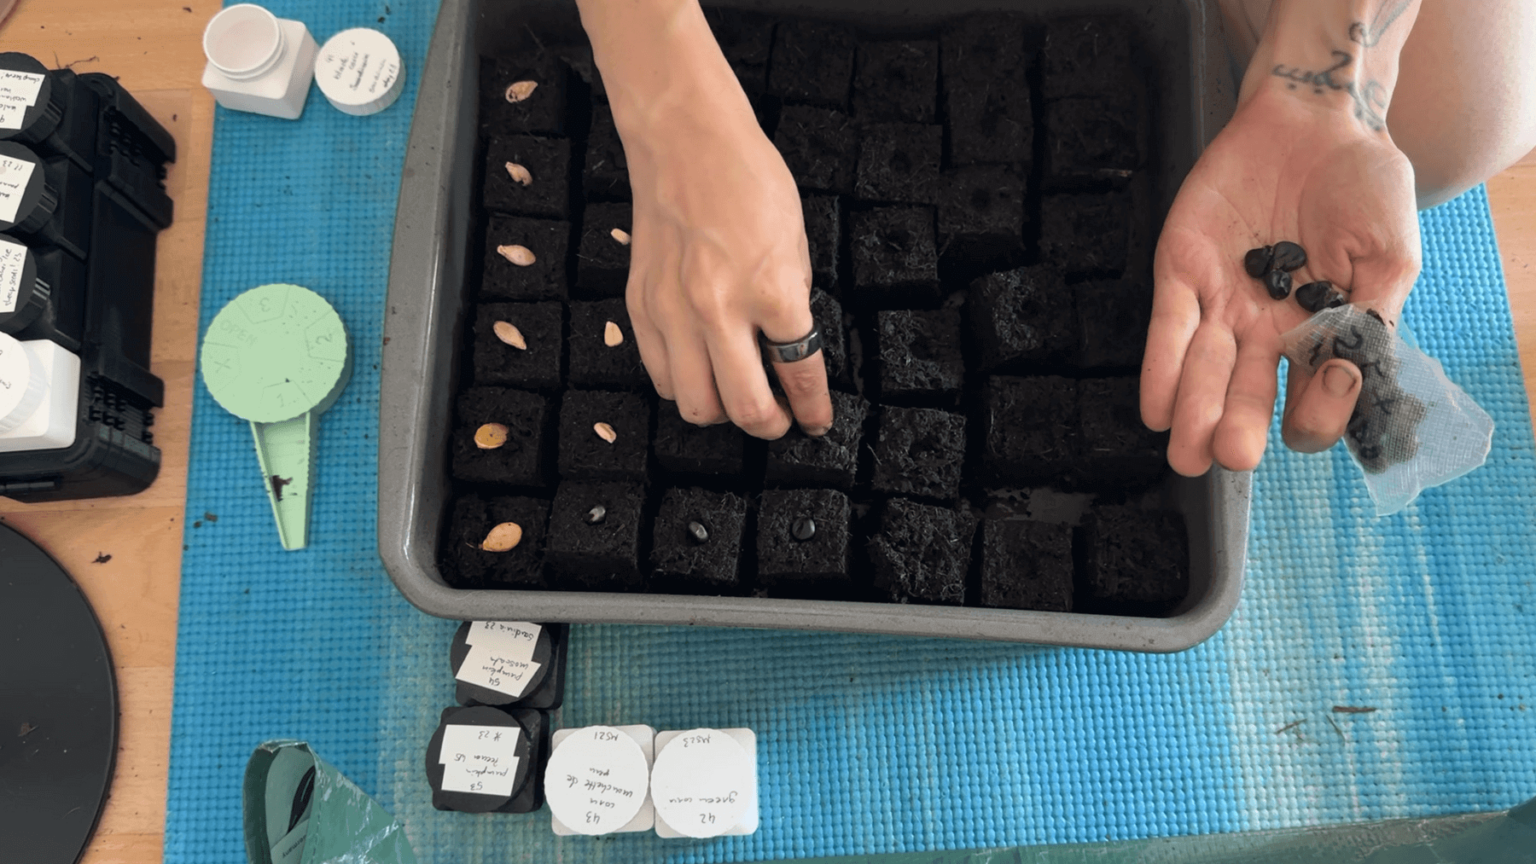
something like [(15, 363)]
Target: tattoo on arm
[(1368, 35)]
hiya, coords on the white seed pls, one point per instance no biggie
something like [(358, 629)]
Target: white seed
[(503, 538), (605, 432), (517, 91), (620, 235), (490, 436), (509, 334), (612, 335), (519, 173), (522, 256)]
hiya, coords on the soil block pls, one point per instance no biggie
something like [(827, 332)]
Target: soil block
[(1026, 565), (746, 39), (683, 448), (1136, 562), (594, 364), (1112, 320), (605, 174), (522, 459), (824, 234), (1118, 450), (894, 259), (545, 109), (1088, 141), (919, 451), (466, 565), (985, 64), (812, 63), (601, 554), (545, 278), (1087, 235), (1028, 430), (834, 338), (920, 355), (602, 260), (1021, 317), (819, 146), (897, 81), (797, 459), (1088, 57), (899, 162), (981, 217), (803, 539), (585, 454), (539, 366), (680, 557), (548, 163), (922, 552)]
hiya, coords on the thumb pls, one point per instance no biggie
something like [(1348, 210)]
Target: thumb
[(1318, 408)]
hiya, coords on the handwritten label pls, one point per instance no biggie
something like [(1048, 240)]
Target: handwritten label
[(14, 176), (596, 780), (13, 256), (358, 65), (481, 760), (702, 783), (500, 656), (20, 88)]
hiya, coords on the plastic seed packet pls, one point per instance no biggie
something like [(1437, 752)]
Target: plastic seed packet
[(1412, 428)]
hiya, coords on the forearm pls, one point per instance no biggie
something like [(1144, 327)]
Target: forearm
[(1338, 55)]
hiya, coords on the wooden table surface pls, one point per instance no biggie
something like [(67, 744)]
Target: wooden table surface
[(154, 47)]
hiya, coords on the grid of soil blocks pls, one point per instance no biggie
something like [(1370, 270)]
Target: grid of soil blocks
[(976, 202)]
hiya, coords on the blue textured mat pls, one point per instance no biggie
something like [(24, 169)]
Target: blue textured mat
[(866, 744)]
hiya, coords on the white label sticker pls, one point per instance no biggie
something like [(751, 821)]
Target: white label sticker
[(13, 256), (596, 780), (11, 115), (512, 638), (499, 672), (702, 782), (358, 66), (20, 88), (481, 760), (14, 176)]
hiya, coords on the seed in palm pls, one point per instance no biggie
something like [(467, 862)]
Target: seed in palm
[(1317, 296), (1288, 256), (1278, 282), (1256, 262)]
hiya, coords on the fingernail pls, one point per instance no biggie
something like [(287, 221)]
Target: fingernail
[(816, 431), (1339, 381)]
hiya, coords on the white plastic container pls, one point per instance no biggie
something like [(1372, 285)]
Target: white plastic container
[(359, 71), (39, 395), (704, 783), (597, 780), (258, 62)]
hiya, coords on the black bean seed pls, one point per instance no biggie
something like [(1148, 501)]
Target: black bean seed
[(1256, 262), (1317, 296), (804, 529), (697, 532), (597, 514), (1278, 282), (1288, 256)]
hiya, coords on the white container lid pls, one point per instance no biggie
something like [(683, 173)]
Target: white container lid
[(359, 71), (23, 384)]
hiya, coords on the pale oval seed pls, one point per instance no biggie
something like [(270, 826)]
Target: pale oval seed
[(612, 335), (517, 91), (519, 174), (605, 432), (508, 333), (503, 538), (522, 256), (620, 235), (490, 436)]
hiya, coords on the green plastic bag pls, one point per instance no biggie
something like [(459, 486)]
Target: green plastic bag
[(298, 809)]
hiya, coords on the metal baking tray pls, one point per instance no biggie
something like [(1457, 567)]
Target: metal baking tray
[(427, 292)]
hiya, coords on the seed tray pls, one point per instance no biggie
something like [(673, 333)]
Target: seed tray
[(435, 274)]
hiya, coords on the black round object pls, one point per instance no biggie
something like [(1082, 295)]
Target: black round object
[(31, 298), (1256, 262), (43, 116), (1317, 296), (472, 694), (1278, 282), (470, 802), (38, 201), (58, 714), (1288, 256)]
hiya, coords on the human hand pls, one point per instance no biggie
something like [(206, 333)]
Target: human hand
[(1284, 168)]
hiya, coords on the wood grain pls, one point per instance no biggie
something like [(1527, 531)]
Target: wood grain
[(154, 48)]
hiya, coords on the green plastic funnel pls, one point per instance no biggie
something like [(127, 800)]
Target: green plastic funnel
[(278, 357)]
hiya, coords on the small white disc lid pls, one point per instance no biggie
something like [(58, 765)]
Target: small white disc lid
[(359, 71), (702, 782), (596, 780), (23, 384)]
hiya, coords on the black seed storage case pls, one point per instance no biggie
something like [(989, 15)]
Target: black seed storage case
[(905, 542)]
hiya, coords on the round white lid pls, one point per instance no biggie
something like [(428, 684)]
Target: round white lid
[(359, 71), (701, 783), (22, 383), (596, 780)]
